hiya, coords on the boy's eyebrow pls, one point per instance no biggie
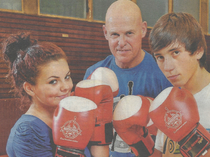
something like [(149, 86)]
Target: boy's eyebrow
[(170, 50), (156, 54), (175, 48)]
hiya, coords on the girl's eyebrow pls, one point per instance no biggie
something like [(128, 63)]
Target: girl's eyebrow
[(52, 77), (68, 73), (57, 76)]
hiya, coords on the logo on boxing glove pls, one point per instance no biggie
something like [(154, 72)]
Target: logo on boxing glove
[(173, 118), (71, 130)]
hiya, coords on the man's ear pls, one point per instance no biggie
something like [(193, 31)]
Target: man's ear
[(199, 53), (28, 88), (105, 31), (143, 29)]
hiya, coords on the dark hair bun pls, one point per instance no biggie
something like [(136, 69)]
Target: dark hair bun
[(14, 45)]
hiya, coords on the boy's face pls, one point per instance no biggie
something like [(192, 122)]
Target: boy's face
[(178, 65)]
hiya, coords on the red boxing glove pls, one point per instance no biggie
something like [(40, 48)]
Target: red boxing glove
[(102, 95), (73, 125), (151, 126), (130, 119), (107, 76), (174, 111)]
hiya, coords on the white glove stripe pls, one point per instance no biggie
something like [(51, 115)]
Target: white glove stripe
[(77, 104), (160, 99), (123, 111), (106, 75)]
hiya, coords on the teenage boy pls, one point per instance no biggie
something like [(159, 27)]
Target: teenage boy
[(179, 47)]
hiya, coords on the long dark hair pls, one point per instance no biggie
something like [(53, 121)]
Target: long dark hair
[(26, 56)]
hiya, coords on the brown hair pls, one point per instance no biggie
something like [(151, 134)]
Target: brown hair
[(26, 57), (178, 27)]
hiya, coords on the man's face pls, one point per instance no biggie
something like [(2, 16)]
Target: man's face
[(178, 65), (124, 35)]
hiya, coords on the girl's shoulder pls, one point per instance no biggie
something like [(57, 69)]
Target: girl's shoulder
[(30, 135), (28, 124)]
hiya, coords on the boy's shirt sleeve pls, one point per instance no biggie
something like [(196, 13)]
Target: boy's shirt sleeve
[(159, 141)]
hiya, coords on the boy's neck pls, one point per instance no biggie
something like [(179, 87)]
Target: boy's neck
[(201, 80)]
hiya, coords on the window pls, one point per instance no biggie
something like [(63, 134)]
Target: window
[(191, 7), (209, 19), (11, 4), (152, 10), (95, 10), (100, 7), (70, 8)]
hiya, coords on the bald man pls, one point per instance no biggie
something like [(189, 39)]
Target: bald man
[(124, 31), (136, 69)]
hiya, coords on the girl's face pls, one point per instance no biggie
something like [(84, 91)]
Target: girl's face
[(53, 84)]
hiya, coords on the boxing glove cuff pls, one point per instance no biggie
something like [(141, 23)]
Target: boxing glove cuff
[(196, 142), (68, 152), (145, 147), (103, 134)]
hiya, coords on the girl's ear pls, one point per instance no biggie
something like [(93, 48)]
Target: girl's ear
[(199, 53), (28, 88)]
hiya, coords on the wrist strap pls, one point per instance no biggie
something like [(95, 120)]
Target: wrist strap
[(103, 134), (114, 139), (68, 152), (145, 147), (197, 142)]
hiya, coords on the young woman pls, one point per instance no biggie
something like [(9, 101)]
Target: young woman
[(41, 77)]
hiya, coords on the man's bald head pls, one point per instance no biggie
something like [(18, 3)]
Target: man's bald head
[(124, 31), (123, 8)]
